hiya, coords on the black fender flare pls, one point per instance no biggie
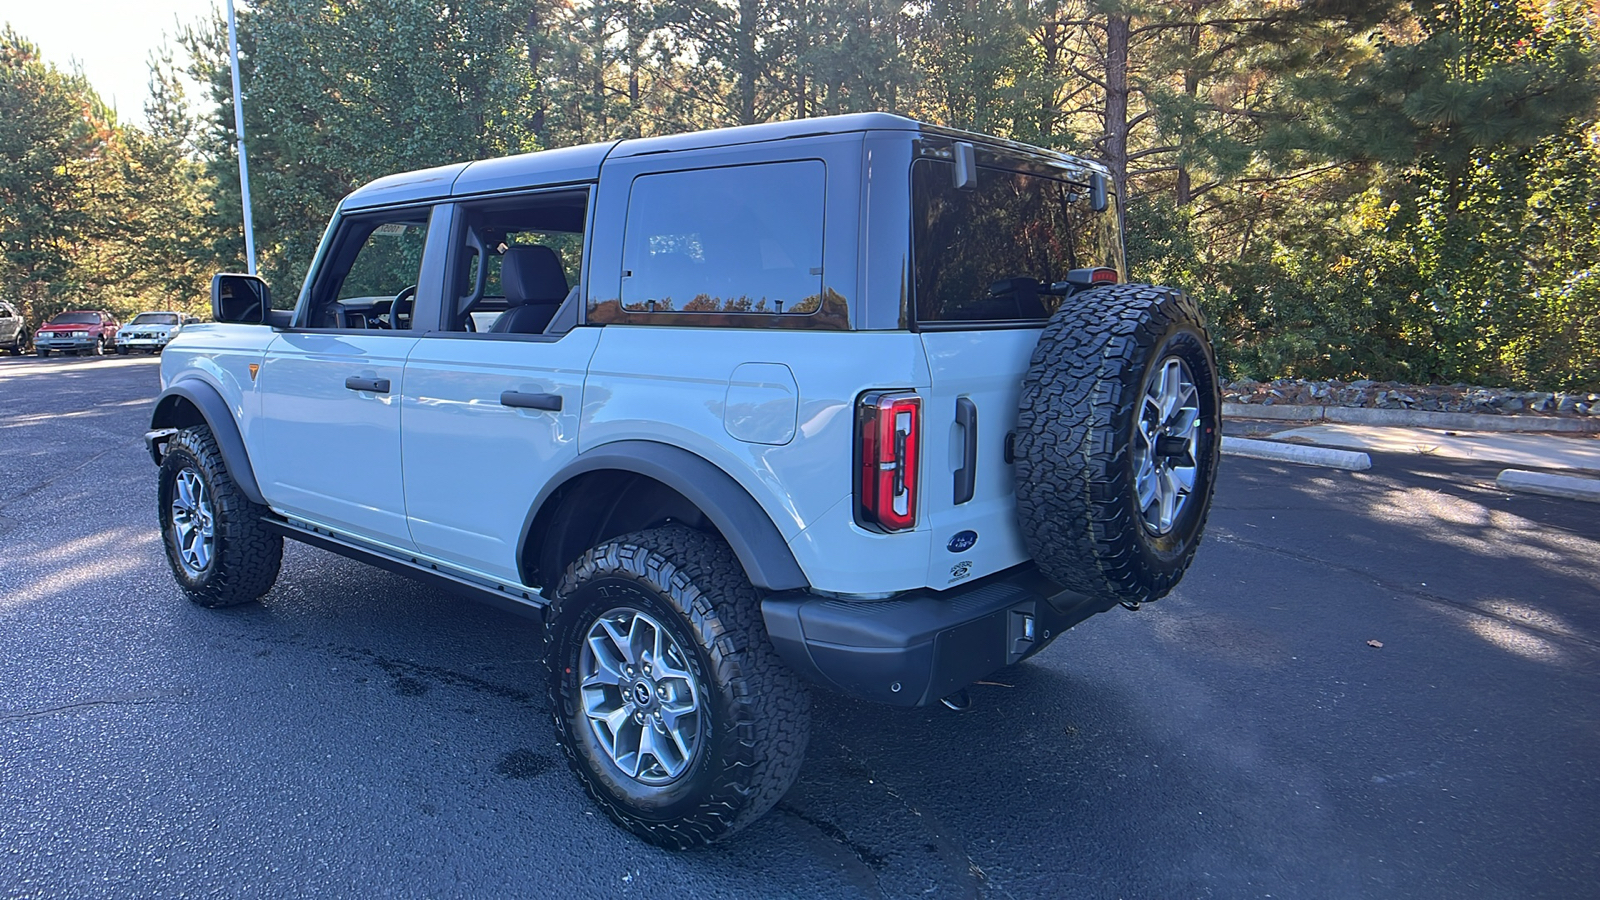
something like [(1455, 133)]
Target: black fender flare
[(219, 418), (756, 541)]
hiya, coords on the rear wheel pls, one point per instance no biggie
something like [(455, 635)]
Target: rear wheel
[(219, 551), (22, 341), (675, 712), (1118, 440)]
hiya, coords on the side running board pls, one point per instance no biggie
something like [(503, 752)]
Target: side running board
[(524, 601)]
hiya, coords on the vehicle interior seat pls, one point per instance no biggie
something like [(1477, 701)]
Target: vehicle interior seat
[(534, 285)]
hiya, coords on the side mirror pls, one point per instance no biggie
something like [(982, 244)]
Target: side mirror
[(1097, 192), (243, 299)]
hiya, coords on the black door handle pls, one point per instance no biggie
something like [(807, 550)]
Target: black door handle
[(547, 402), (967, 475), (375, 385)]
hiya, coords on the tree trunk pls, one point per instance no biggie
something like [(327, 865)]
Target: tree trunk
[(534, 37), (1118, 32), (1191, 87), (745, 58)]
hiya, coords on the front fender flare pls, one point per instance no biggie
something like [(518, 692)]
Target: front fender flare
[(756, 541), (207, 400)]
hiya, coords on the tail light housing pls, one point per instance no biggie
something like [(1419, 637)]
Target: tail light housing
[(888, 459)]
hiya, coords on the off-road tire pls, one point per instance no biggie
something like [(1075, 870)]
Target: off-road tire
[(246, 557), (1075, 469), (759, 710)]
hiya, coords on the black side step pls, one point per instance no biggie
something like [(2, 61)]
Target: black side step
[(523, 601)]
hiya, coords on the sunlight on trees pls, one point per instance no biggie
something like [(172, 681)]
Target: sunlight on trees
[(1371, 188)]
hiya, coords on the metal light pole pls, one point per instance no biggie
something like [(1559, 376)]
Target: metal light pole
[(238, 128)]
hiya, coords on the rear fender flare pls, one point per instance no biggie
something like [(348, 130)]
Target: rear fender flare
[(177, 407), (756, 541)]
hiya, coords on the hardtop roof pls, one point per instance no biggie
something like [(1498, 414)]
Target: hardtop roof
[(581, 163)]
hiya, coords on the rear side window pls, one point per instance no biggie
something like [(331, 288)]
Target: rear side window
[(982, 255), (742, 240)]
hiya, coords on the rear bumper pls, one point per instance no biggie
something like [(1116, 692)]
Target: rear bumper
[(919, 647)]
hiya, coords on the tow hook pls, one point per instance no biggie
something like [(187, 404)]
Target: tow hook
[(960, 701)]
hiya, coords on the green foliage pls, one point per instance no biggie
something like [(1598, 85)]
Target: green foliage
[(1352, 188), (94, 213)]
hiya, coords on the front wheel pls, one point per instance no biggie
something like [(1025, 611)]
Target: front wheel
[(41, 352), (673, 707), (219, 551), (122, 350)]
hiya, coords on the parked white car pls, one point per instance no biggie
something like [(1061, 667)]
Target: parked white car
[(150, 332)]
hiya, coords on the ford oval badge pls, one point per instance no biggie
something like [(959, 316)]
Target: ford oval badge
[(962, 542)]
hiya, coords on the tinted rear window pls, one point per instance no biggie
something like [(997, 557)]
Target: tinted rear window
[(975, 249)]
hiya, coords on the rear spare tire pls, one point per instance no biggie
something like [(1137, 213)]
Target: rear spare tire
[(1117, 443)]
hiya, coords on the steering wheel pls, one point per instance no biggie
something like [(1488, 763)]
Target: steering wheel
[(400, 308)]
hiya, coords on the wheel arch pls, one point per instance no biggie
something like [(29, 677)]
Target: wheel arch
[(196, 402), (629, 485)]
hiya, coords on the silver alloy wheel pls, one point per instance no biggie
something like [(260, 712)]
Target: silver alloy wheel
[(641, 699), (1169, 438), (193, 522)]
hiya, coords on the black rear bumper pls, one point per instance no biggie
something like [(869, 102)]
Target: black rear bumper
[(919, 647)]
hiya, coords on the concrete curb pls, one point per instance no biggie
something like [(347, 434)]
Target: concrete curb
[(1296, 453), (1416, 418), (1569, 487)]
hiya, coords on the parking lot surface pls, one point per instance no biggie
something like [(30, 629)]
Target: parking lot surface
[(357, 734)]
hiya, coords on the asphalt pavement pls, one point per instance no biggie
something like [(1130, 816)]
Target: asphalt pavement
[(357, 734)]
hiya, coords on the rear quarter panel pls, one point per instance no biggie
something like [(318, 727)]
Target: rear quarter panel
[(672, 385)]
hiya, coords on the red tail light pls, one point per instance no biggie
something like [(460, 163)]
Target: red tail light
[(888, 445), (1103, 276)]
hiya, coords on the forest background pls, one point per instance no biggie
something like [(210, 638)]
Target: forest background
[(1397, 191)]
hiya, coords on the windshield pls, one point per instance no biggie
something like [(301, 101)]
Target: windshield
[(155, 319), (982, 255), (76, 319)]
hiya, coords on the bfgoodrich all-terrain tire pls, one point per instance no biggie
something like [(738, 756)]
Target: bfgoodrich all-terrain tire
[(219, 551), (674, 709), (1117, 441)]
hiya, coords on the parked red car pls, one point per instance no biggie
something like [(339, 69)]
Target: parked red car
[(83, 331)]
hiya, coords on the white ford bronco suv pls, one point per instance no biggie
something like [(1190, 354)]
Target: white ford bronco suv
[(854, 402)]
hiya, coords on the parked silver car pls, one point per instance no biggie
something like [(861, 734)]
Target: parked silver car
[(13, 331)]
